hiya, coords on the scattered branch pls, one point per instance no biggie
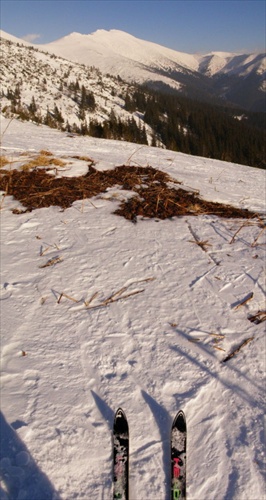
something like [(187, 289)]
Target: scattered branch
[(51, 262), (245, 300), (115, 297), (218, 348), (238, 349), (197, 241), (43, 251), (87, 303), (67, 297), (258, 318), (250, 222), (201, 244), (256, 239)]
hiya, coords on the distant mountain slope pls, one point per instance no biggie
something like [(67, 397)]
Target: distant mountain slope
[(42, 87), (47, 89), (216, 77), (117, 52)]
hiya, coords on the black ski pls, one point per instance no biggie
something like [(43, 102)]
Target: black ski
[(121, 455), (178, 457)]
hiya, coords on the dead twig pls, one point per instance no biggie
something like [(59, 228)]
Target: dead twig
[(256, 239), (250, 222), (87, 302), (201, 244), (245, 300), (43, 251), (237, 349), (112, 299), (197, 241), (218, 348), (258, 318), (114, 295), (51, 262), (67, 297), (239, 229)]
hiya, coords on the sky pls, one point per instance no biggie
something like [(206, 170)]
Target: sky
[(192, 26)]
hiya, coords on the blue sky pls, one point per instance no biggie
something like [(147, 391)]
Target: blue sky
[(185, 25)]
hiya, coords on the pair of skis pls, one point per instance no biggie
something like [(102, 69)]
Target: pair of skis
[(121, 456)]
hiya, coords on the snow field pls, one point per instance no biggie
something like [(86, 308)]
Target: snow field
[(70, 359)]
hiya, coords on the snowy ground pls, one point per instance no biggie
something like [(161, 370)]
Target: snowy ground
[(67, 365)]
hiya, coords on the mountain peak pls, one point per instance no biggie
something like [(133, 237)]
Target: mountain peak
[(135, 60)]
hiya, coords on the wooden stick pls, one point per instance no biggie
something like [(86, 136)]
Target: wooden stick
[(112, 297), (108, 301), (87, 302), (201, 244), (244, 301), (67, 297), (51, 262), (239, 229), (219, 348), (238, 349), (255, 241), (257, 318)]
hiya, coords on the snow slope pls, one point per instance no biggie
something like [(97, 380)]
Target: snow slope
[(13, 39), (118, 51), (139, 61), (47, 79), (67, 366), (132, 57)]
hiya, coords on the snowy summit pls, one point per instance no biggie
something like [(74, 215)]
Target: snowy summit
[(236, 78)]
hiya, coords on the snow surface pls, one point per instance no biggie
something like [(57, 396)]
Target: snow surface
[(132, 57), (119, 53), (40, 75), (68, 366)]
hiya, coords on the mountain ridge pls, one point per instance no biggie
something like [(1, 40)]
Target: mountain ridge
[(47, 89), (135, 60)]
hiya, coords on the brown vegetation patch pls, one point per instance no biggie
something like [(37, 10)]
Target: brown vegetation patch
[(44, 159), (3, 161), (154, 195)]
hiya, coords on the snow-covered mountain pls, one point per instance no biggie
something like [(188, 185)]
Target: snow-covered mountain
[(117, 52), (39, 85), (238, 78)]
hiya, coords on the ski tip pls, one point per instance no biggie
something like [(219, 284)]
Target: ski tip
[(180, 421), (120, 422), (120, 413)]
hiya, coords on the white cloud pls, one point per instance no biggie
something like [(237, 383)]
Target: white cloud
[(31, 37)]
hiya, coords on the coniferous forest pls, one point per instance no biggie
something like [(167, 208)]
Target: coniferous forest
[(203, 129)]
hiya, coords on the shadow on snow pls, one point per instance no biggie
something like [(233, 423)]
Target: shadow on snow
[(21, 478)]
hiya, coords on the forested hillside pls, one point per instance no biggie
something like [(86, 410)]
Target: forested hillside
[(47, 89)]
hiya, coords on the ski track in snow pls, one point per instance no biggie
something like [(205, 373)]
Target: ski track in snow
[(151, 353)]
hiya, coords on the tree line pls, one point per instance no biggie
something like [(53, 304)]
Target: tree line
[(177, 123)]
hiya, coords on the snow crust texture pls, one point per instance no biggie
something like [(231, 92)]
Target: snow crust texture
[(138, 316)]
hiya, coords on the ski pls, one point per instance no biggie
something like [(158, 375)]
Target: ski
[(121, 455), (178, 457)]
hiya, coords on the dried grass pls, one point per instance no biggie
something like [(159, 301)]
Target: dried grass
[(153, 197), (83, 158), (42, 160), (44, 250), (4, 161), (44, 152)]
